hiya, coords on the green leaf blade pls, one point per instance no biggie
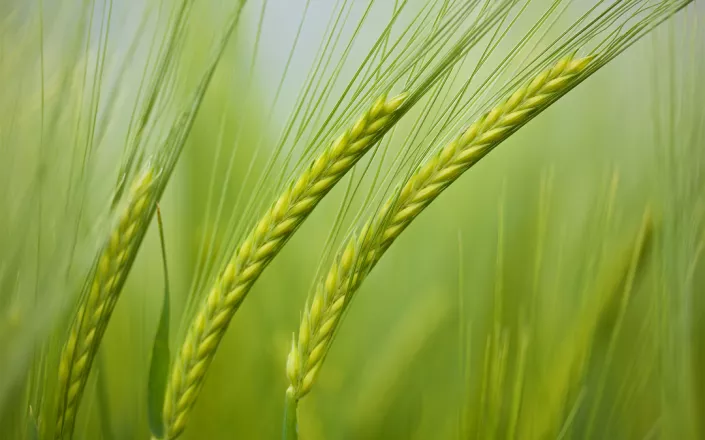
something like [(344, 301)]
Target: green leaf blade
[(159, 364)]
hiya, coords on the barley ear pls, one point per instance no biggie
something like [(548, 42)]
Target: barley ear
[(258, 248), (364, 249), (97, 304)]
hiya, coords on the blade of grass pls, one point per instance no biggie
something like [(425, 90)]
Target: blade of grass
[(159, 365)]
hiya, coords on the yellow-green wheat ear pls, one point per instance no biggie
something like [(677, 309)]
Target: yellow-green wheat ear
[(259, 247), (97, 304), (358, 256), (477, 141)]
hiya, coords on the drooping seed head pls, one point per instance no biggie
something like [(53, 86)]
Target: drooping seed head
[(259, 247), (96, 305), (362, 251)]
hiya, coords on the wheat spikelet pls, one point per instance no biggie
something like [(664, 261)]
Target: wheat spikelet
[(322, 315), (97, 304), (261, 245)]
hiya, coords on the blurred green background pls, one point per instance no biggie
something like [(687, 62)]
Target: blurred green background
[(531, 300)]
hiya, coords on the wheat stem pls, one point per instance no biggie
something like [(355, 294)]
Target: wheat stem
[(358, 256), (291, 423), (256, 251), (96, 306)]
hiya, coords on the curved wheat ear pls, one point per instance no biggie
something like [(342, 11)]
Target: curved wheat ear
[(322, 315), (97, 304), (261, 245)]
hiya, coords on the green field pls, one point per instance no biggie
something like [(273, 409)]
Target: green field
[(554, 291)]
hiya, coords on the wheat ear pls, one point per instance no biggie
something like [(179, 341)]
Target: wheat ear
[(359, 255), (96, 306), (261, 245)]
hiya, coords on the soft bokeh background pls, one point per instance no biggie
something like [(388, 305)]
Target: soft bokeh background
[(511, 295)]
